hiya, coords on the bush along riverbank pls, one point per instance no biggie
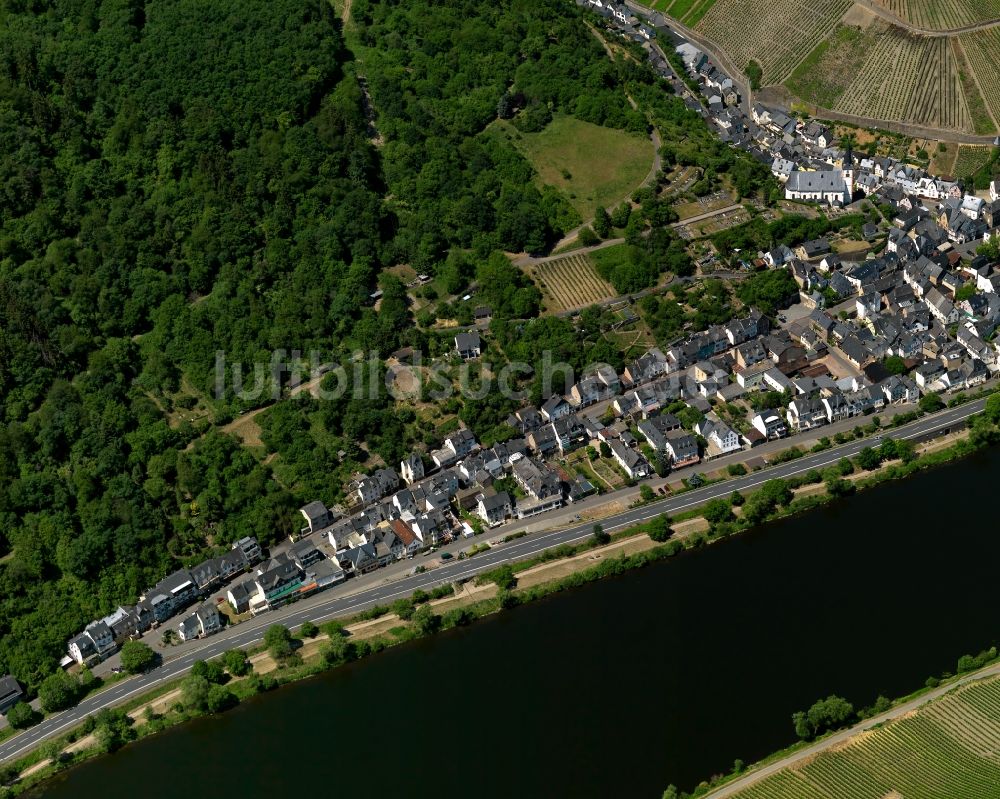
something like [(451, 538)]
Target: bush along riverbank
[(218, 685), (828, 716)]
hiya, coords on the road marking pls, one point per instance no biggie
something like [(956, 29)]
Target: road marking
[(406, 585)]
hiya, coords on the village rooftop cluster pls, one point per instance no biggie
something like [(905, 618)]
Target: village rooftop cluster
[(928, 302)]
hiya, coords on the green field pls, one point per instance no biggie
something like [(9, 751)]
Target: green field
[(592, 165), (948, 748)]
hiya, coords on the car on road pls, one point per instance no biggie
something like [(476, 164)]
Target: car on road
[(446, 556)]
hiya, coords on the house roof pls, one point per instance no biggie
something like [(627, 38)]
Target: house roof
[(830, 180), (467, 341)]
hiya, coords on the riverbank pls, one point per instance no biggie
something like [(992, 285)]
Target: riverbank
[(553, 571), (767, 773)]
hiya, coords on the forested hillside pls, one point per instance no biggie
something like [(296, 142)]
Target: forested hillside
[(177, 178), (439, 74), (181, 178)]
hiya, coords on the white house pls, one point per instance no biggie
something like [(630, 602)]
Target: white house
[(495, 509), (722, 439), (635, 466), (770, 424)]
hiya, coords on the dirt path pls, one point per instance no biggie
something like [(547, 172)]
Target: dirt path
[(889, 16), (247, 430), (527, 260), (768, 95)]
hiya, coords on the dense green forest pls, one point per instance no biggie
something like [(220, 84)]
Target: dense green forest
[(182, 178), (178, 178), (439, 74)]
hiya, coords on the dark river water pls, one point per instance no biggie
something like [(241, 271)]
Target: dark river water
[(621, 687)]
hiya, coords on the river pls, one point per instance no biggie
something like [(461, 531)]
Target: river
[(621, 687)]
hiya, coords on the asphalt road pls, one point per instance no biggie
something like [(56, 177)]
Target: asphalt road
[(335, 603)]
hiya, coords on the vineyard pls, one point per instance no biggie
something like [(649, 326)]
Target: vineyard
[(570, 282), (970, 160), (904, 78), (949, 748), (982, 50), (687, 11), (943, 14), (776, 34), (827, 72)]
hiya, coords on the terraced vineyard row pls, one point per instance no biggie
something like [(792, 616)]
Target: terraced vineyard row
[(938, 99), (571, 282), (776, 34), (784, 785), (982, 49), (949, 748), (943, 14), (909, 79)]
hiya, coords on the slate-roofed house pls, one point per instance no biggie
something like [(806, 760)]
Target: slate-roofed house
[(10, 693), (304, 553), (770, 424), (468, 345), (277, 581), (372, 488), (682, 449), (828, 186), (239, 595), (941, 307), (747, 327), (171, 594), (721, 438), (555, 407), (898, 390), (543, 440), (750, 352), (495, 508), (569, 433), (633, 464), (525, 420), (656, 429), (805, 413), (204, 621), (250, 548), (96, 642), (588, 391), (813, 249), (537, 479), (412, 469), (316, 515), (647, 367), (358, 560)]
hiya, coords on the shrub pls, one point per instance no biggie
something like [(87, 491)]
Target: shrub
[(308, 630), (22, 715), (58, 691)]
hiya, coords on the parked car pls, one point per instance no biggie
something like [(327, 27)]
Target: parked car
[(446, 556)]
